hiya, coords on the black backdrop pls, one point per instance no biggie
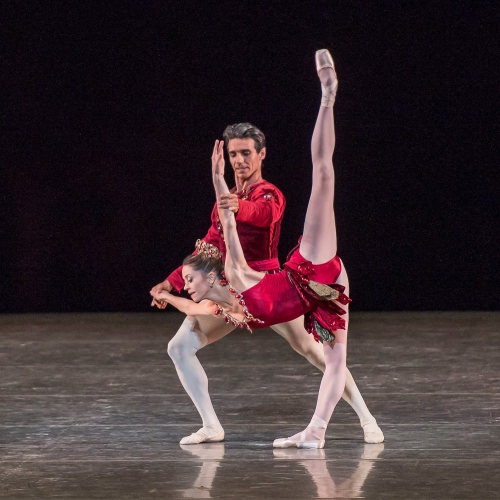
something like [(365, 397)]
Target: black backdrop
[(112, 110)]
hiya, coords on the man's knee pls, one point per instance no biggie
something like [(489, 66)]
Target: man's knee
[(175, 349), (184, 344)]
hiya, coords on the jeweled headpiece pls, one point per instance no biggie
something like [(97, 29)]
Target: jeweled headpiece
[(208, 249)]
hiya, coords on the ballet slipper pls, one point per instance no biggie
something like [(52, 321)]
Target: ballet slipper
[(204, 435), (328, 84), (372, 432)]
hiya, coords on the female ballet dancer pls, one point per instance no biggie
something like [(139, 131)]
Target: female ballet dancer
[(313, 280)]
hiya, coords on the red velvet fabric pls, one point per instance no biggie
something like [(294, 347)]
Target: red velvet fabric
[(281, 297), (258, 222)]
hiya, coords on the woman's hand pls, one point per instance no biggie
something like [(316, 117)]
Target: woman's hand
[(218, 159)]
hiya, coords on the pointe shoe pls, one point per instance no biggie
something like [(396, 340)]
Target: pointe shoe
[(323, 59), (290, 443), (328, 89), (372, 433), (203, 435)]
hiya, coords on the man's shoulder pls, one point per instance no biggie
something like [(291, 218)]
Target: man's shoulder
[(267, 188), (268, 185)]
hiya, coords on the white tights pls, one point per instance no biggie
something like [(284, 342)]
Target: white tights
[(185, 344), (182, 349)]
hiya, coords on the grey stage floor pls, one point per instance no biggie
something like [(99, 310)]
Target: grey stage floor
[(91, 407)]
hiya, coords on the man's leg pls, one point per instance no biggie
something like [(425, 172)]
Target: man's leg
[(193, 334)]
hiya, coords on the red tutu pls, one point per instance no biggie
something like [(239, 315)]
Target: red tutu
[(300, 289)]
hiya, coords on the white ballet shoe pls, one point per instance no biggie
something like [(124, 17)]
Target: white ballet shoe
[(204, 435), (372, 433), (328, 89)]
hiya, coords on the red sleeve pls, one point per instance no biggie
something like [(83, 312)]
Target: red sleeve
[(262, 212), (175, 278), (213, 237)]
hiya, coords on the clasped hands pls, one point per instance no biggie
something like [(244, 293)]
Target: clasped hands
[(160, 294)]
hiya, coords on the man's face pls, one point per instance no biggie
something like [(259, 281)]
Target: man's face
[(245, 160)]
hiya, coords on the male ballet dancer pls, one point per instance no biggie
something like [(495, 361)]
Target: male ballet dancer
[(259, 207)]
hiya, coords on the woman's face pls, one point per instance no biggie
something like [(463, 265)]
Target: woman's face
[(196, 283)]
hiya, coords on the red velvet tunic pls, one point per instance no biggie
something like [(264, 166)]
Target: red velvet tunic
[(258, 222)]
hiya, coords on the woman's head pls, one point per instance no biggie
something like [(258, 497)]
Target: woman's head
[(200, 272)]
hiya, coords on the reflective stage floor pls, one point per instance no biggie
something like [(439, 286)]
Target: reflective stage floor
[(91, 407)]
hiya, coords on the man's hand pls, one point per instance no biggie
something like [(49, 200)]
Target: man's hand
[(164, 286), (230, 202)]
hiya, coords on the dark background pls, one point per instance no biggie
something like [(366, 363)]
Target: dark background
[(112, 109)]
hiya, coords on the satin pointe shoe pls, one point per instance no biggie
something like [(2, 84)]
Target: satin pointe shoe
[(323, 59), (300, 443), (329, 84)]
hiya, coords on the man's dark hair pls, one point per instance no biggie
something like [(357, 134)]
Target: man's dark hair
[(243, 131)]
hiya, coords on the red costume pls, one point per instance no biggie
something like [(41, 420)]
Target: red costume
[(299, 290), (258, 222)]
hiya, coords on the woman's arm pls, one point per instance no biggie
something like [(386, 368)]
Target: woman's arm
[(186, 306), (234, 251)]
